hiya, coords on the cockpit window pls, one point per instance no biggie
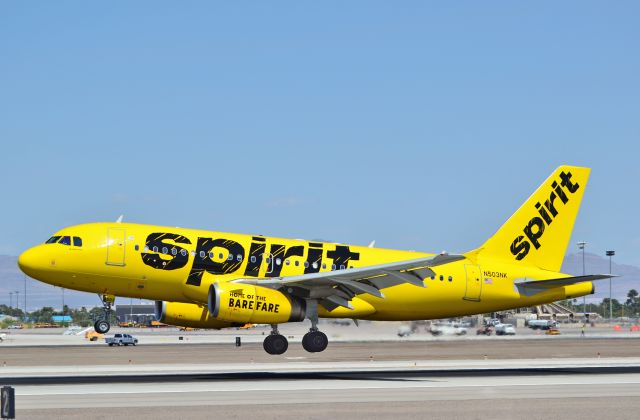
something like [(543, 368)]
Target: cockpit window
[(66, 240), (52, 240), (77, 241)]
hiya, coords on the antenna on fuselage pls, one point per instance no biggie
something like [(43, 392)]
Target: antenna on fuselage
[(119, 220)]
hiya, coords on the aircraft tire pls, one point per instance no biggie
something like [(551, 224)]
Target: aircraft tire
[(315, 341), (275, 344), (102, 326)]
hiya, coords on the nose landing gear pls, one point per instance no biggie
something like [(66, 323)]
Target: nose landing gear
[(102, 325)]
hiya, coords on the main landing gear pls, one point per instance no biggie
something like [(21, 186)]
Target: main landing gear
[(314, 341), (275, 343), (102, 325)]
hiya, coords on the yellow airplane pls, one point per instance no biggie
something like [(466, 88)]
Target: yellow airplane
[(205, 279)]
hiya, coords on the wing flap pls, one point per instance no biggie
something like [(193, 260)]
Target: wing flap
[(337, 288)]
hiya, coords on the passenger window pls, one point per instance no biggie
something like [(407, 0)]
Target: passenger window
[(146, 249), (297, 263), (193, 253), (278, 261), (211, 255), (441, 277), (306, 264), (52, 240), (253, 258), (137, 247), (342, 267), (174, 252), (230, 258), (66, 240), (450, 278), (333, 267), (155, 249), (165, 249), (202, 254), (324, 266), (239, 258), (268, 260), (183, 252), (78, 242), (220, 256), (287, 262), (315, 265)]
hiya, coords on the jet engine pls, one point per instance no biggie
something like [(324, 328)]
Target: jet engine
[(187, 315), (242, 303)]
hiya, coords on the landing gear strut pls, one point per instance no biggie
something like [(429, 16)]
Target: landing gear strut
[(314, 341), (102, 325), (275, 343)]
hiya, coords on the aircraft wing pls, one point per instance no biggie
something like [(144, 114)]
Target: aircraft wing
[(337, 288), (565, 281)]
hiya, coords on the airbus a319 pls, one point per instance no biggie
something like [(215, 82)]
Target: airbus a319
[(217, 280)]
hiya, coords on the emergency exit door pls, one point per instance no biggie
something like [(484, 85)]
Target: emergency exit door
[(116, 244), (474, 283)]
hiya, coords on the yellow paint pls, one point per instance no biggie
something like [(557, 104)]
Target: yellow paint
[(110, 262)]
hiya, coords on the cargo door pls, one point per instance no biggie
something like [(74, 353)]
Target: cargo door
[(116, 244), (474, 283)]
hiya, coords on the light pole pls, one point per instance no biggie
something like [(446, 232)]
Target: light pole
[(17, 292), (610, 254), (25, 296), (10, 300), (582, 245)]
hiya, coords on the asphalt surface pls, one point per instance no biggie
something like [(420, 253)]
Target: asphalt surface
[(569, 392), (570, 395), (495, 348)]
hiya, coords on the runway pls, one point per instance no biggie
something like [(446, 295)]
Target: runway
[(523, 379), (446, 394)]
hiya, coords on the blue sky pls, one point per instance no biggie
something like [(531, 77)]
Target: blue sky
[(422, 125)]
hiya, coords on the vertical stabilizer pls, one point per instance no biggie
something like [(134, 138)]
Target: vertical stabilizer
[(539, 232)]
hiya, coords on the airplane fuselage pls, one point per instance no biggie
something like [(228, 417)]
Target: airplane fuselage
[(179, 265)]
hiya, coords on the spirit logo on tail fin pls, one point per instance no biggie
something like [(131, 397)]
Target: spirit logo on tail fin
[(548, 211)]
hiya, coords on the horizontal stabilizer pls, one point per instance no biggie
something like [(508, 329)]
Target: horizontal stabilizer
[(565, 281)]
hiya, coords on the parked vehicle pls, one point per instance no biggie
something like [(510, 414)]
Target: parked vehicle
[(447, 328), (404, 331), (486, 330), (542, 324), (91, 335), (15, 327), (505, 329), (121, 340), (553, 331)]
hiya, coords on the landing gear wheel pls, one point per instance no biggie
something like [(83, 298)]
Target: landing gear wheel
[(102, 326), (315, 341), (275, 344)]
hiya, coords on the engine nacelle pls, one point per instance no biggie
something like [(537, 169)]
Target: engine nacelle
[(244, 303), (187, 315)]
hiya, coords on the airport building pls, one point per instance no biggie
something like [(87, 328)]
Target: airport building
[(137, 314)]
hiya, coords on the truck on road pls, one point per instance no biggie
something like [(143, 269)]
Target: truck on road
[(505, 329), (121, 340), (542, 324)]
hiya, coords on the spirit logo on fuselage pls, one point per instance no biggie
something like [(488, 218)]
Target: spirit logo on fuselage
[(534, 230), (209, 256)]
